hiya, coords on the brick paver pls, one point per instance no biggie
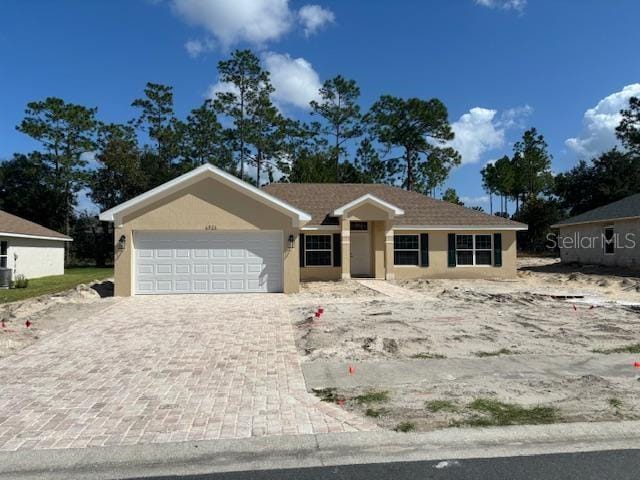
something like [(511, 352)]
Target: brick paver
[(164, 369)]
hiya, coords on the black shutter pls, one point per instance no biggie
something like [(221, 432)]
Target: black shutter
[(301, 248), (337, 250), (497, 249), (452, 250), (424, 249)]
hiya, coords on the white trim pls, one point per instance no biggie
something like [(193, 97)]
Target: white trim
[(368, 198), (560, 225), (474, 250), (492, 228), (38, 237), (335, 228), (204, 170), (460, 228)]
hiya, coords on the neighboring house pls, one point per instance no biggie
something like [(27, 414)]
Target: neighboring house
[(207, 231), (30, 249), (608, 235)]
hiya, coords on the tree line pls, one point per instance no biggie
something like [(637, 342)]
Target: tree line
[(398, 141), (542, 198)]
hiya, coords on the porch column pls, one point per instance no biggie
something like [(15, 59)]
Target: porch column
[(346, 248), (388, 250)]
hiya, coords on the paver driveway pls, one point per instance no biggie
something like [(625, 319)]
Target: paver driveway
[(164, 369)]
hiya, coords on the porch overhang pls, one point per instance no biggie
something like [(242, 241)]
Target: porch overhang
[(368, 199)]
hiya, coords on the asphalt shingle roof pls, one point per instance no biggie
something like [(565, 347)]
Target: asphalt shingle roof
[(12, 224), (321, 199), (627, 207)]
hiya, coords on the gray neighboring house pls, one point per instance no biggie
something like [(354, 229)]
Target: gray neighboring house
[(608, 235)]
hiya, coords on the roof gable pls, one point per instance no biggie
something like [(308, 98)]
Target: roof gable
[(196, 175), (371, 200)]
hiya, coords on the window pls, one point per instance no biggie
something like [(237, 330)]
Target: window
[(317, 251), (406, 250), (361, 226), (609, 241), (473, 250), (3, 254)]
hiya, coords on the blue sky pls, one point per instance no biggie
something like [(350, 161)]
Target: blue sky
[(565, 67)]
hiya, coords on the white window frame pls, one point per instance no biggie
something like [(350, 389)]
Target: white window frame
[(473, 249), (5, 256), (306, 250), (406, 249), (604, 239)]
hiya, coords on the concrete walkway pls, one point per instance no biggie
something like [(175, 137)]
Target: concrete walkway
[(155, 369), (334, 373), (395, 292)]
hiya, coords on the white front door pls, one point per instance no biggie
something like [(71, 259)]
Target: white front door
[(207, 262), (360, 253)]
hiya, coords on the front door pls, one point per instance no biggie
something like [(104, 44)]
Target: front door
[(360, 249)]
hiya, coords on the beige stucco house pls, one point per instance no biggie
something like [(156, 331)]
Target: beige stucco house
[(209, 232), (608, 235)]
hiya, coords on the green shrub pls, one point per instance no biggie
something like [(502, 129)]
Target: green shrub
[(21, 282), (405, 427)]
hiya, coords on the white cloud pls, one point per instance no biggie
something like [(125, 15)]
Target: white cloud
[(483, 129), (233, 21), (221, 87), (195, 48), (294, 79), (471, 201), (515, 117), (475, 133), (314, 17), (253, 21), (517, 5), (600, 123)]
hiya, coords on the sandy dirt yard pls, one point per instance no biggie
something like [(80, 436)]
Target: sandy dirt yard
[(28, 320), (549, 310)]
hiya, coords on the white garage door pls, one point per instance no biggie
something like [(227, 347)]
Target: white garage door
[(208, 262)]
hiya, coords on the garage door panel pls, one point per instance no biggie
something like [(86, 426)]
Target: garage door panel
[(183, 268), (238, 262), (200, 269)]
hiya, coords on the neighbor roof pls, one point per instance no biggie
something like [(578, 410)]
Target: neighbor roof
[(13, 226), (322, 199), (628, 207)]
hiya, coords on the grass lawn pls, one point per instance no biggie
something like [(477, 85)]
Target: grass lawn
[(56, 283)]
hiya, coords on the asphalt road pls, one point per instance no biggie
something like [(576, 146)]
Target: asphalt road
[(613, 465)]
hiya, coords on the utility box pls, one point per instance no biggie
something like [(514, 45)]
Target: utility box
[(5, 278)]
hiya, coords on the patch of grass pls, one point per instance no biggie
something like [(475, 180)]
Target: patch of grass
[(441, 406), (327, 394), (634, 348), (375, 412), (616, 404), (372, 397), (55, 284), (498, 413), (428, 355), (502, 351), (405, 427)]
